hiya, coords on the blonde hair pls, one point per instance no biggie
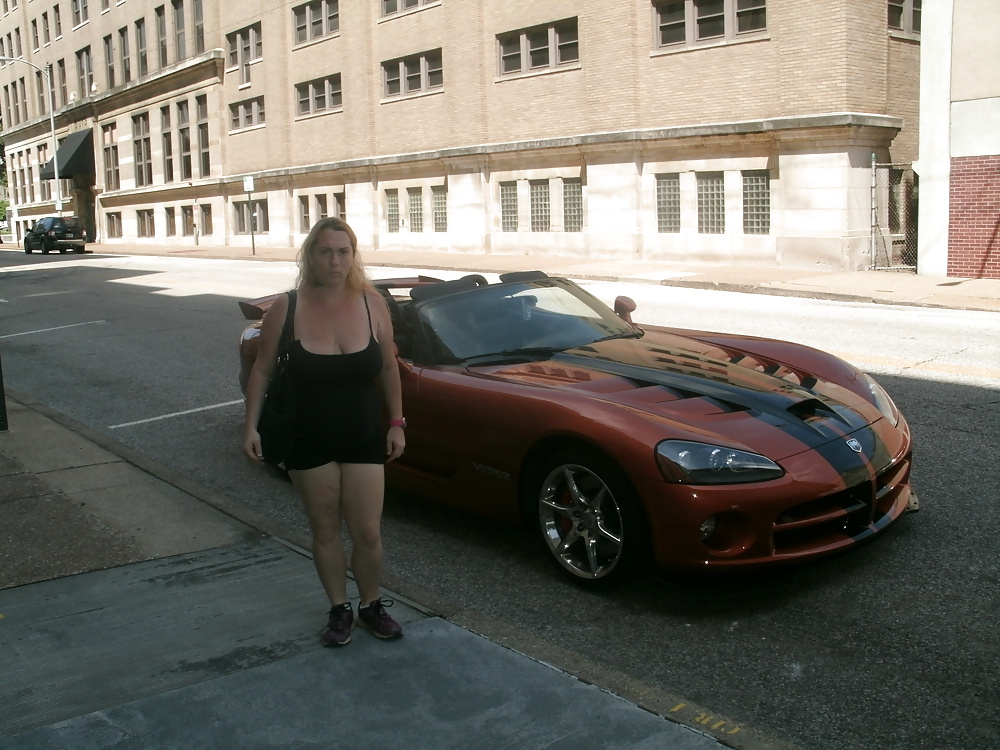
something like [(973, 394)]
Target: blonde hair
[(357, 277)]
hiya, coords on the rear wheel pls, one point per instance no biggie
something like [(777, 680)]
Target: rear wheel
[(45, 246), (588, 517)]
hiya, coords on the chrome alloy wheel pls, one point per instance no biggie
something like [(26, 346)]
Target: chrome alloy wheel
[(581, 521)]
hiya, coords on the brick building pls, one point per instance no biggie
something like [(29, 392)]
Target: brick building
[(959, 164), (738, 131)]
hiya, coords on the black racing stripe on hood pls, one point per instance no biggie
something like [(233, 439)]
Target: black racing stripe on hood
[(776, 406)]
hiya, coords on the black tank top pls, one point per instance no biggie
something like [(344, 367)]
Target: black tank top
[(338, 405)]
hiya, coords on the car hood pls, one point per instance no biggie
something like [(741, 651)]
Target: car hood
[(701, 393)]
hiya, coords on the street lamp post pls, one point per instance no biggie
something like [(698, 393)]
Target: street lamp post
[(47, 72)]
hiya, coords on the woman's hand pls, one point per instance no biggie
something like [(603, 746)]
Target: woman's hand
[(251, 446), (395, 442)]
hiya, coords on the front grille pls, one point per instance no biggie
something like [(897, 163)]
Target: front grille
[(833, 519)]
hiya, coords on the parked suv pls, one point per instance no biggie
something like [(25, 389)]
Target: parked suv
[(60, 233)]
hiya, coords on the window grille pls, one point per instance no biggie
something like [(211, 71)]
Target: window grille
[(415, 200), (757, 202), (711, 203), (439, 206), (392, 210), (541, 220), (508, 206), (573, 205), (668, 202)]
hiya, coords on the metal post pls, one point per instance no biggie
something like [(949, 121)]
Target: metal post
[(47, 72), (3, 403)]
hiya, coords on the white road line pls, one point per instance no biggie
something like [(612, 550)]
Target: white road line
[(57, 328), (175, 414)]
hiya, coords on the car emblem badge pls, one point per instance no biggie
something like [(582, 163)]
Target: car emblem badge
[(854, 445)]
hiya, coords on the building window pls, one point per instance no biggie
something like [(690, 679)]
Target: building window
[(508, 206), (251, 216), (904, 16), (43, 108), (204, 155), (668, 203), (168, 144), (161, 35), (141, 150), (413, 74), (125, 55), (757, 202), (415, 204), (84, 71), (46, 38), (316, 19), (573, 205), (187, 221), (35, 45), (180, 38), (199, 26), (392, 7), (80, 12), (338, 205), (114, 222), (305, 224), (184, 140), (439, 206), (539, 48), (392, 210), (109, 140), (320, 207), (206, 220), (109, 59), (246, 114), (140, 46), (245, 47), (691, 22), (171, 216), (63, 85), (43, 158), (321, 95), (711, 203), (541, 220), (57, 20), (144, 223)]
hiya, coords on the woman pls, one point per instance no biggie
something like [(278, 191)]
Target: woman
[(343, 369)]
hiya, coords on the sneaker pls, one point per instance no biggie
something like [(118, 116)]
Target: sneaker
[(381, 624), (338, 628)]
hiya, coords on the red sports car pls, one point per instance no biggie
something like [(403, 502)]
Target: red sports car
[(530, 401)]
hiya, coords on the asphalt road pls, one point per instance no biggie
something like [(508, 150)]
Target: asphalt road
[(892, 646)]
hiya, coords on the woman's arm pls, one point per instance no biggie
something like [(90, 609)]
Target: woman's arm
[(260, 374), (392, 392)]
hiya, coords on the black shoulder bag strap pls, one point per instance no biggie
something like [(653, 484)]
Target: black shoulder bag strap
[(288, 329)]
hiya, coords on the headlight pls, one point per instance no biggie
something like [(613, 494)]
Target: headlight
[(687, 462), (882, 400)]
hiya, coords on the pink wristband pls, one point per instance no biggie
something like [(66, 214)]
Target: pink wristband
[(398, 422)]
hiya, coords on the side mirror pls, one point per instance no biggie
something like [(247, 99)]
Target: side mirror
[(624, 307)]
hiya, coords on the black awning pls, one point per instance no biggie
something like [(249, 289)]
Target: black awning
[(75, 154)]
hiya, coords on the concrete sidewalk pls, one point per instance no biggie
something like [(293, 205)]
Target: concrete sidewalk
[(884, 287), (140, 610)]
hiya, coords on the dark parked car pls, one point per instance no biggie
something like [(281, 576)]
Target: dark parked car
[(60, 233), (625, 447)]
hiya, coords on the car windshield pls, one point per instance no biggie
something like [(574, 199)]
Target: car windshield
[(525, 319)]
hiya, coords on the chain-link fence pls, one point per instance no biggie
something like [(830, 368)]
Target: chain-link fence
[(894, 217)]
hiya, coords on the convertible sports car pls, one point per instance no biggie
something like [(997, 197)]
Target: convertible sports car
[(530, 401)]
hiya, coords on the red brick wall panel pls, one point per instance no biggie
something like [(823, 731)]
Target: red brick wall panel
[(974, 226)]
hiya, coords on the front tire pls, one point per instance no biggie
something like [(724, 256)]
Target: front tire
[(588, 518), (27, 246)]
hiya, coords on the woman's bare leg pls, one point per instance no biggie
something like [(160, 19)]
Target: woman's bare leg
[(362, 492), (320, 490)]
